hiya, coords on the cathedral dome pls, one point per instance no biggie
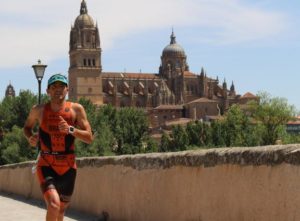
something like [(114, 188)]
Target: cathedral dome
[(173, 49), (84, 20)]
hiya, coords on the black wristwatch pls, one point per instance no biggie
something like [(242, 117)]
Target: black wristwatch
[(71, 129)]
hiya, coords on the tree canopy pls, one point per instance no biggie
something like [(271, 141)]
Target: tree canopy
[(125, 130), (273, 114)]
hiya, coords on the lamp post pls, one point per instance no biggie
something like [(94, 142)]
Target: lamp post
[(39, 70)]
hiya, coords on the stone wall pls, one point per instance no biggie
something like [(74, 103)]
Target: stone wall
[(226, 184)]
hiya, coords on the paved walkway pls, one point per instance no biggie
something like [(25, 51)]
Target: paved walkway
[(14, 208)]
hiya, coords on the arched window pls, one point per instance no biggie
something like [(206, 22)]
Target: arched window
[(88, 38)]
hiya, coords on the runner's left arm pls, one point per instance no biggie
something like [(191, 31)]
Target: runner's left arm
[(83, 131)]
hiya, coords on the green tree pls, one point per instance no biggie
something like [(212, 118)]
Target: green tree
[(14, 110), (180, 138), (218, 133), (164, 143), (85, 150), (193, 130), (151, 145), (199, 133), (291, 138), (7, 116), (253, 134), (104, 125), (106, 115), (101, 119), (22, 105), (104, 140), (273, 113), (14, 148), (129, 128), (206, 134), (237, 126)]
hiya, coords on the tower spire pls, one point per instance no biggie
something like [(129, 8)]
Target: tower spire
[(232, 90), (224, 84), (232, 87), (83, 8), (173, 37)]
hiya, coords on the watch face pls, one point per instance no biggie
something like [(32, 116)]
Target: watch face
[(71, 129)]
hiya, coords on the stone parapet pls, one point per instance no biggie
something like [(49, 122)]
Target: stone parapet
[(264, 155), (223, 184)]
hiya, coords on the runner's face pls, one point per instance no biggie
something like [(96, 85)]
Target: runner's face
[(57, 90)]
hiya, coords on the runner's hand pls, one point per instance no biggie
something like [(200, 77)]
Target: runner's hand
[(63, 126), (33, 140)]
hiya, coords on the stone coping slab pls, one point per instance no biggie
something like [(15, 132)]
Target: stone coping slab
[(245, 156)]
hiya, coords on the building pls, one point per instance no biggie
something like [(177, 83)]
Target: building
[(293, 126), (173, 92), (10, 91)]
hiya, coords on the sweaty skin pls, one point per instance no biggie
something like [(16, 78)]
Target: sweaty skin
[(57, 93)]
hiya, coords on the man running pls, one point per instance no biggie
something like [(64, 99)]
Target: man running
[(60, 122)]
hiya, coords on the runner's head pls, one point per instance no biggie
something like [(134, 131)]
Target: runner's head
[(57, 78)]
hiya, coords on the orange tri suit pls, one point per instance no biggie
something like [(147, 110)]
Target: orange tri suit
[(56, 167)]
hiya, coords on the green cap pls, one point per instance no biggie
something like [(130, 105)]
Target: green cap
[(57, 77)]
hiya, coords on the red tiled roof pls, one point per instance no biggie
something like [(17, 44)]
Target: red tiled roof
[(129, 75), (297, 122), (202, 100), (248, 95), (189, 74)]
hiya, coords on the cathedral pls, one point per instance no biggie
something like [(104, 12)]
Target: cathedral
[(174, 92)]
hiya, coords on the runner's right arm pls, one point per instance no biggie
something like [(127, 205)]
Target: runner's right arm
[(31, 121)]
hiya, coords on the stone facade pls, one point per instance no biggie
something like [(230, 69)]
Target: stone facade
[(173, 87)]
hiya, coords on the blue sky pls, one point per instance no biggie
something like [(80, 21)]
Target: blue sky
[(255, 44)]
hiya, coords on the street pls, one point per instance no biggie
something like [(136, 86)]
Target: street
[(14, 207)]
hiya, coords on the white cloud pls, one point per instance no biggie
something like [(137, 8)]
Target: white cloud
[(239, 23), (35, 28)]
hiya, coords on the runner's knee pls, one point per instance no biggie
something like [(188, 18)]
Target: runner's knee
[(52, 199)]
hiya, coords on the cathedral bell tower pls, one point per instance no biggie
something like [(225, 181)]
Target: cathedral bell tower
[(85, 59)]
